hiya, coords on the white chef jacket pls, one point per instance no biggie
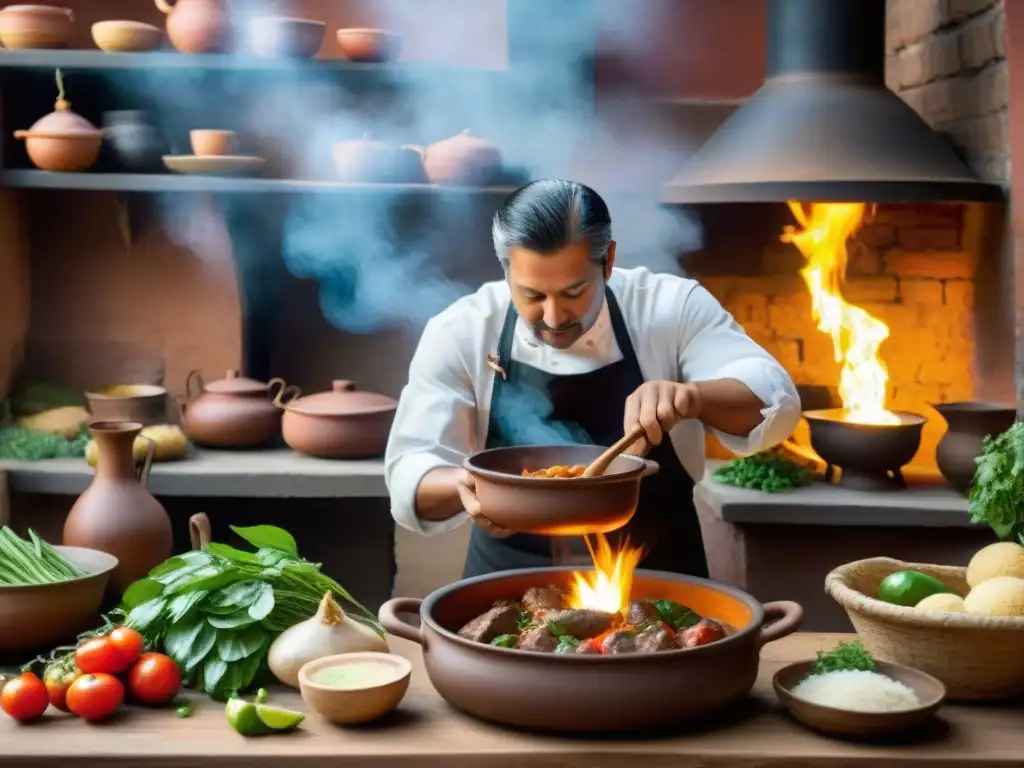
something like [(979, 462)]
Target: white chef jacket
[(679, 332)]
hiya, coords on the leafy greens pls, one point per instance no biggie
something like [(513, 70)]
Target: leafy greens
[(997, 492)]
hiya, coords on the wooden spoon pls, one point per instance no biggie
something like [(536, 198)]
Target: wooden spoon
[(597, 467)]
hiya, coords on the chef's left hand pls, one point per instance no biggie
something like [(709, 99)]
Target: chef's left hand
[(658, 406)]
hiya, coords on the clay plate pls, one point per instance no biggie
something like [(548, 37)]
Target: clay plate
[(849, 723), (214, 165)]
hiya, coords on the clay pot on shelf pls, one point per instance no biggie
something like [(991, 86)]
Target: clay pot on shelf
[(196, 26), (366, 161), (273, 36), (341, 424), (369, 46), (126, 36), (463, 160), (36, 26), (62, 140), (116, 514), (234, 412), (135, 141), (969, 422)]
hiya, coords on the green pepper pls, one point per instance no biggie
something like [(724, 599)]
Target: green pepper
[(505, 641)]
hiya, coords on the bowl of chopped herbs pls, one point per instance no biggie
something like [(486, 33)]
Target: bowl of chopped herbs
[(769, 471)]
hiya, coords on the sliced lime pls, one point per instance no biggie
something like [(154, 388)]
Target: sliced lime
[(242, 716), (277, 719)]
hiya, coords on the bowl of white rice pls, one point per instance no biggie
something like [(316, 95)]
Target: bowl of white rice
[(859, 703)]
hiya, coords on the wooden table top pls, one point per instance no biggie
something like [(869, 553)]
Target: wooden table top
[(425, 733)]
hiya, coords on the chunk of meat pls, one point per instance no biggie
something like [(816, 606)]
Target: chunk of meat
[(539, 599), (656, 637), (621, 641), (538, 639), (641, 613), (703, 632), (499, 620), (581, 623)]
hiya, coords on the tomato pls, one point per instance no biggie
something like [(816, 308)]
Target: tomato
[(24, 698), (156, 679), (96, 696), (100, 655), (128, 643), (58, 678)]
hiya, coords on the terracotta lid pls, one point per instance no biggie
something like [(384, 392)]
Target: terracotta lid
[(234, 384), (63, 121), (343, 400)]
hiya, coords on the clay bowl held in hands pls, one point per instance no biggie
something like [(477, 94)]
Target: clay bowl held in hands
[(36, 26), (555, 506), (45, 614), (573, 693), (851, 723), (353, 699), (126, 36), (369, 46), (273, 36)]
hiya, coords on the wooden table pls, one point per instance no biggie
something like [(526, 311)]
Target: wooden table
[(426, 733)]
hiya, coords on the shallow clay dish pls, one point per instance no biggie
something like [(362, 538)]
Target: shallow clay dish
[(222, 165), (126, 36), (850, 723), (46, 614), (369, 46), (281, 36), (36, 26), (352, 706)]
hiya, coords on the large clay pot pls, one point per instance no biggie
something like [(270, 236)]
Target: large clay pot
[(969, 422), (235, 412), (116, 514), (341, 424), (462, 160), (36, 26), (196, 26)]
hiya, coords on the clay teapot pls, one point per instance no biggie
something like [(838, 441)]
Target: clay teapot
[(368, 161), (462, 160), (969, 423), (234, 412), (341, 424), (116, 514), (62, 140), (196, 26)]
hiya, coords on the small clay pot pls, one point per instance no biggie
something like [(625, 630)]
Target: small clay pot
[(273, 36), (126, 36), (36, 26), (341, 424), (196, 26), (135, 141), (207, 143), (365, 161), (463, 160), (369, 46), (145, 404), (62, 140), (234, 412), (969, 424)]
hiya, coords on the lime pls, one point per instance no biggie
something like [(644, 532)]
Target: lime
[(277, 719), (908, 588), (242, 716)]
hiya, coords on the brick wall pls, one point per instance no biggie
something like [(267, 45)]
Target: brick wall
[(947, 59)]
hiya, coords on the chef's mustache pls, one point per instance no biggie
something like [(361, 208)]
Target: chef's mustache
[(542, 326)]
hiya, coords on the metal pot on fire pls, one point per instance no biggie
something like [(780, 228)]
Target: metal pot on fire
[(552, 690), (343, 423), (233, 412)]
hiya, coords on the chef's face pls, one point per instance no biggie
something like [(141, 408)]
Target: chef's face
[(558, 294)]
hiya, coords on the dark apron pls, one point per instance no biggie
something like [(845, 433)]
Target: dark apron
[(587, 408)]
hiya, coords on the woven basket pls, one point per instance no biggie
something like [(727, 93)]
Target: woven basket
[(979, 658)]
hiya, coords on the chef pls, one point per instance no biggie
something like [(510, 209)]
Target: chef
[(569, 348)]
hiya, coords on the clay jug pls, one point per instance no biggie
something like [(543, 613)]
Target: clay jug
[(969, 423), (116, 514), (196, 26)]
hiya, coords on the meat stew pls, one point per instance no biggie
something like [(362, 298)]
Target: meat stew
[(560, 471), (542, 621)]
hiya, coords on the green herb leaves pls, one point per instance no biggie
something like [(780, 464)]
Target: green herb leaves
[(997, 493), (216, 611), (770, 471), (845, 656)]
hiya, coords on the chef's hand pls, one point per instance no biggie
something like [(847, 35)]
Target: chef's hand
[(658, 406), (467, 493)]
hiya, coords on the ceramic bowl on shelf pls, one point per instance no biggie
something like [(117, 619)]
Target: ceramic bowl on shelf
[(215, 165), (36, 26), (850, 723), (355, 688), (209, 143), (118, 36), (369, 46), (280, 36)]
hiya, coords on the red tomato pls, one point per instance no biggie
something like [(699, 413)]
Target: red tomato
[(95, 697), (128, 643), (156, 679), (58, 679), (100, 655), (24, 698)]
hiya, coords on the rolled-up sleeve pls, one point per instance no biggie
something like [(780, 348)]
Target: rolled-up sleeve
[(714, 346), (434, 426)]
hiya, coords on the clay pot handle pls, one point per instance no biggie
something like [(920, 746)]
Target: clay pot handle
[(286, 395), (164, 5), (397, 626), (650, 468), (71, 14), (201, 385), (147, 463), (782, 618), (277, 381), (199, 530), (19, 134)]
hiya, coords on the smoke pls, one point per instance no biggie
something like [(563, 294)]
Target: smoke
[(524, 419)]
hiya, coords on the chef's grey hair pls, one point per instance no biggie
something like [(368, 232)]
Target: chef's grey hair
[(551, 214)]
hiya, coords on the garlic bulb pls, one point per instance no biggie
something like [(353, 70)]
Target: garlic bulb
[(328, 633)]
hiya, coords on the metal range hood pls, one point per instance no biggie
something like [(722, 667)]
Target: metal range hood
[(824, 127)]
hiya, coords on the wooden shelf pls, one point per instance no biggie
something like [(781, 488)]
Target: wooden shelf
[(157, 183)]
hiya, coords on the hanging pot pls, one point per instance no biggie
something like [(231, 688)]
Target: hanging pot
[(196, 26), (234, 412), (62, 140), (341, 424), (969, 424), (463, 160)]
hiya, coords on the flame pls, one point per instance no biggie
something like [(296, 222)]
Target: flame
[(607, 588), (856, 335)]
